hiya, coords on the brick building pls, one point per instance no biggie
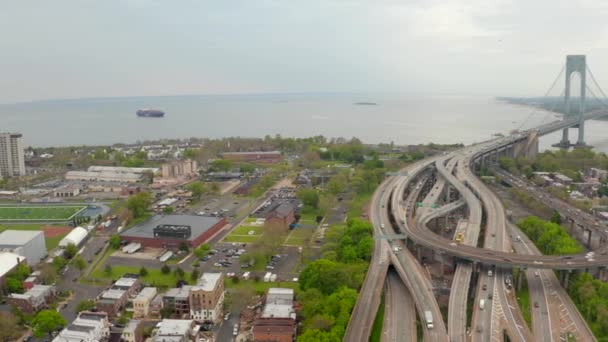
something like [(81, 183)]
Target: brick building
[(170, 231), (283, 215), (207, 298)]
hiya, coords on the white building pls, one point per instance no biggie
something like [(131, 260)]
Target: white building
[(141, 303), (88, 327), (75, 237), (12, 159), (279, 304), (176, 330), (27, 243)]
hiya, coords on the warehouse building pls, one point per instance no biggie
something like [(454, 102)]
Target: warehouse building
[(75, 237), (170, 231), (27, 243)]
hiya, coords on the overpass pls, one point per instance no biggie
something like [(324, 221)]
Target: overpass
[(400, 223)]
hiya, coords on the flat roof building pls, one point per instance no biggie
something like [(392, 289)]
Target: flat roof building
[(87, 327), (141, 303), (206, 298), (170, 231), (176, 330), (27, 243)]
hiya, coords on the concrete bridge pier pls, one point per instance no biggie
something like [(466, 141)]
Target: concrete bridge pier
[(520, 276), (565, 278)]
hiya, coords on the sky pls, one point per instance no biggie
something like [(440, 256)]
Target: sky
[(91, 48)]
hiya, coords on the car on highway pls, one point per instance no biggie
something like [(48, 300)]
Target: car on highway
[(484, 287), (536, 274), (536, 304)]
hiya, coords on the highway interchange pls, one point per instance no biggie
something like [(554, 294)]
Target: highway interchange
[(402, 209)]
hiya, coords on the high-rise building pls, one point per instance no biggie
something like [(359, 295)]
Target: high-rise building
[(12, 160)]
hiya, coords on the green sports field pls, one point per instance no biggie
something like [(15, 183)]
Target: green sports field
[(39, 213)]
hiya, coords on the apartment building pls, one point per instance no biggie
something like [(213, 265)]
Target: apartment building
[(12, 159)]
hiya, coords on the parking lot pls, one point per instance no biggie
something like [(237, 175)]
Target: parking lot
[(226, 259)]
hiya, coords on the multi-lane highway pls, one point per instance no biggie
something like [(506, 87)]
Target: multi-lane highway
[(401, 209), (556, 316), (400, 311)]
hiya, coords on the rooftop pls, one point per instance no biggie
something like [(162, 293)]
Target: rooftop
[(174, 327), (198, 225), (8, 261), (179, 292), (113, 294), (18, 237), (208, 281), (146, 293), (131, 326), (125, 282)]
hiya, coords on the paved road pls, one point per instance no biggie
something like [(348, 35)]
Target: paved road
[(364, 313), (556, 315), (400, 312)]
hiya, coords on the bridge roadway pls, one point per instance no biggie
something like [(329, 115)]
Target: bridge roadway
[(399, 311), (556, 315), (499, 258), (412, 273), (495, 239), (364, 313)]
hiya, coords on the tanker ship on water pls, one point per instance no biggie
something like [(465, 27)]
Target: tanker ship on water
[(150, 113)]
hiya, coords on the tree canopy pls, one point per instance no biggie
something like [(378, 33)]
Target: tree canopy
[(47, 321), (138, 204)]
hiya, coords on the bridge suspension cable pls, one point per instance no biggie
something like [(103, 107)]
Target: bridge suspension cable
[(546, 94), (551, 111), (595, 82)]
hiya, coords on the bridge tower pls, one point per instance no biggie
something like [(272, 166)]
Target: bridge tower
[(575, 64)]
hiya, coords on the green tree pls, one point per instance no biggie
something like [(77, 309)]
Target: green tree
[(143, 271), (202, 250), (309, 197), (14, 285), (47, 321), (194, 275), (324, 275), (165, 269), (556, 218), (138, 204), (197, 189), (80, 263), (221, 165), (190, 153), (114, 242), (179, 273), (168, 210), (85, 305), (70, 251)]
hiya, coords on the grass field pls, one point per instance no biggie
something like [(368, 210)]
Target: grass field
[(298, 236), (154, 278), (242, 238), (51, 242), (243, 230), (39, 213)]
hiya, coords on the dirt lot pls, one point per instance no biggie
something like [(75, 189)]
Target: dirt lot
[(53, 231)]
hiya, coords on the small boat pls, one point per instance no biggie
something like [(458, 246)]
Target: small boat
[(150, 113)]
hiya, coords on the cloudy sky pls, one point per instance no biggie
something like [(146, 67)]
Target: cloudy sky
[(91, 48)]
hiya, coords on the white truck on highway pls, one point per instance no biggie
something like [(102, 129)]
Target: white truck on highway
[(428, 316)]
